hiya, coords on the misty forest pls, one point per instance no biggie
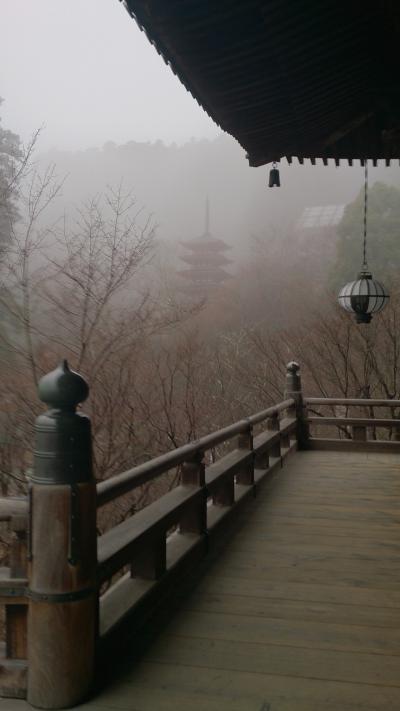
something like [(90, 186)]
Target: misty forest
[(99, 265)]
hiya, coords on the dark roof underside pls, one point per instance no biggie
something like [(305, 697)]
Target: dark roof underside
[(304, 78)]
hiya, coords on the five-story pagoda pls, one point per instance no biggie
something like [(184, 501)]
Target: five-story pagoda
[(206, 259)]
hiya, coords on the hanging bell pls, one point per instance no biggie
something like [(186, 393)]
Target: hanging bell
[(274, 180)]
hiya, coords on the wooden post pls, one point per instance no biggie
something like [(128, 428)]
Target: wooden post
[(293, 390), (246, 475), (62, 573)]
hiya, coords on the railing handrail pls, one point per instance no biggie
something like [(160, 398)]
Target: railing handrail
[(355, 402), (120, 484), (357, 421), (270, 411)]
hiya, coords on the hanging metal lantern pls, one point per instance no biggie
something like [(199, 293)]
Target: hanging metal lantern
[(365, 296), (274, 179)]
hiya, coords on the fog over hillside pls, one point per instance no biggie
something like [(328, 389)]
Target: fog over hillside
[(172, 182), (169, 355)]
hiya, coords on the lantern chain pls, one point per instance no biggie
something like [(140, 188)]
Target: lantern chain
[(365, 265)]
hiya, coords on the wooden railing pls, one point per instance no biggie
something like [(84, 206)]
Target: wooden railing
[(356, 432), (76, 588), (173, 532)]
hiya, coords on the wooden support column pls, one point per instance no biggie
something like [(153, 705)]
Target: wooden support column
[(246, 475), (62, 576), (293, 390)]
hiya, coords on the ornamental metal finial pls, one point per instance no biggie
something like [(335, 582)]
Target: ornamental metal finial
[(63, 388)]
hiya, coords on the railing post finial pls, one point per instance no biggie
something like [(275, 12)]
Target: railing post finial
[(62, 575), (293, 380), (62, 388)]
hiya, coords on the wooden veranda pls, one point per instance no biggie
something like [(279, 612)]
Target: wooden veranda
[(267, 580), (302, 609)]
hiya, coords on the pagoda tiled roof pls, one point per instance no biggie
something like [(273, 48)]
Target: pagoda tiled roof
[(206, 243)]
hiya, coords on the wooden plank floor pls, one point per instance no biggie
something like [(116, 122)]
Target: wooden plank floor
[(300, 613)]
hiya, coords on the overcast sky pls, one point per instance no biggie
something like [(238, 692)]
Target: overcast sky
[(84, 70)]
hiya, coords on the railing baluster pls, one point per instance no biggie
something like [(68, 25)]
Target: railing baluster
[(262, 460), (359, 433), (273, 426), (194, 519), (225, 495), (245, 442), (285, 436), (151, 561)]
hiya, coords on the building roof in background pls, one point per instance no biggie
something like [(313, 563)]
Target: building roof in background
[(287, 78), (320, 216)]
